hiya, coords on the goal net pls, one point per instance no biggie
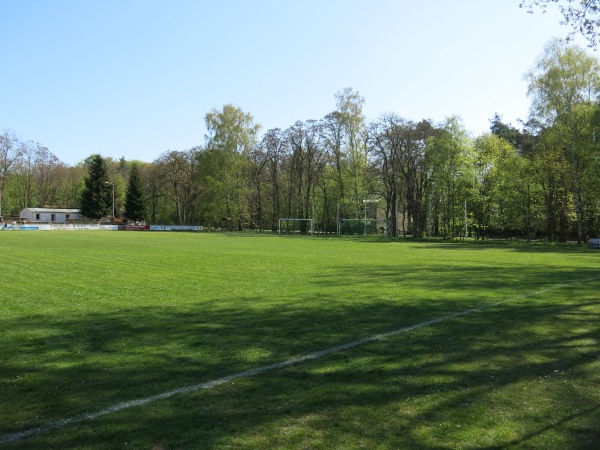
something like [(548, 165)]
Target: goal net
[(362, 227), (296, 226)]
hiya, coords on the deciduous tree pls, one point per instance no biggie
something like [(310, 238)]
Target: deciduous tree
[(10, 151), (583, 16), (179, 170), (232, 133), (451, 161), (351, 122), (564, 86)]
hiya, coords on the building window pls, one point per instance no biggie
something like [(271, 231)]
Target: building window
[(37, 217), (67, 217), (52, 217)]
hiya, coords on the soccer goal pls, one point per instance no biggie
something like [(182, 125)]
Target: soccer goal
[(293, 226), (356, 226), (363, 227)]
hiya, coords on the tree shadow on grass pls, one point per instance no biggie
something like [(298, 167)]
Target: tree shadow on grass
[(532, 247), (485, 383), (517, 374), (454, 245), (473, 283)]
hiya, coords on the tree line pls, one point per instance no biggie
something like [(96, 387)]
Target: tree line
[(540, 181)]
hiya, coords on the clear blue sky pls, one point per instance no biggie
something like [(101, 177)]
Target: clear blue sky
[(135, 78)]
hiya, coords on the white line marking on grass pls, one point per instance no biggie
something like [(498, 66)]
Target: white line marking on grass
[(260, 370)]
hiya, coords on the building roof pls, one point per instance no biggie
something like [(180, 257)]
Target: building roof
[(53, 210)]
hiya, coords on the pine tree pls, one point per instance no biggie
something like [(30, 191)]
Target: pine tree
[(134, 199), (96, 198)]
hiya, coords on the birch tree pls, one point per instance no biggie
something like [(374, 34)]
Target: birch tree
[(564, 86), (232, 133)]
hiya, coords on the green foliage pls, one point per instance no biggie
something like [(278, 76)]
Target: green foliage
[(213, 201), (352, 124), (564, 86), (232, 135), (504, 188), (401, 163), (175, 178), (135, 208), (562, 77), (96, 198), (451, 160), (421, 175), (506, 131), (231, 130)]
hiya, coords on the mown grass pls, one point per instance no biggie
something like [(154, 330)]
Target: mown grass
[(92, 319)]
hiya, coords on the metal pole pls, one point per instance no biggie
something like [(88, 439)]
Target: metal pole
[(337, 219), (466, 230), (430, 206), (397, 232), (113, 199), (312, 224), (365, 202)]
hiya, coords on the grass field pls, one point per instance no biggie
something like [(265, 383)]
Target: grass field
[(90, 320)]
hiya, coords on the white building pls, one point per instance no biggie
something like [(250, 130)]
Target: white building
[(49, 215)]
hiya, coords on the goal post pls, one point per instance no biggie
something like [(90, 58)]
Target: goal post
[(294, 225), (370, 223), (357, 226), (363, 227)]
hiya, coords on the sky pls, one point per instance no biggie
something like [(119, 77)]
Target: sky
[(135, 78)]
